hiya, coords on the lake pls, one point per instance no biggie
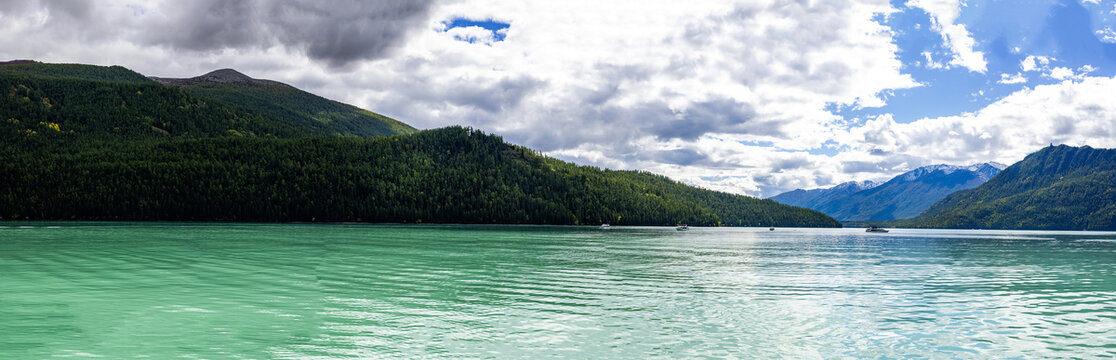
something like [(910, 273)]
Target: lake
[(339, 291)]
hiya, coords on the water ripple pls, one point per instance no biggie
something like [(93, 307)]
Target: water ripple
[(302, 291)]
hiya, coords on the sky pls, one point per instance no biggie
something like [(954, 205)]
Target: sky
[(748, 97)]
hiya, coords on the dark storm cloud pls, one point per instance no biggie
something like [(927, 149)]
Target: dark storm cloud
[(337, 32)]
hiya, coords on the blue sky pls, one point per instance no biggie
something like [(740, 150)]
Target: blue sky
[(495, 28), (1006, 32), (753, 97)]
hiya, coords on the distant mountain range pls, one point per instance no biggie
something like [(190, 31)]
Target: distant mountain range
[(904, 196), (1056, 188), (83, 142)]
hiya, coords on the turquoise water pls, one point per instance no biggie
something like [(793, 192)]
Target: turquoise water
[(306, 291)]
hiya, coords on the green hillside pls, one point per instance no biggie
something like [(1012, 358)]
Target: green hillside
[(451, 175), (287, 103), (1058, 187)]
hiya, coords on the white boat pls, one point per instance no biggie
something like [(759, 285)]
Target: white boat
[(605, 226), (682, 227), (875, 229)]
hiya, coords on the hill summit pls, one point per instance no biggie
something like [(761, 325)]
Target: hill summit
[(222, 76)]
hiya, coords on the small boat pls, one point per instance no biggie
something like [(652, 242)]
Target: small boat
[(682, 227), (876, 229), (605, 226)]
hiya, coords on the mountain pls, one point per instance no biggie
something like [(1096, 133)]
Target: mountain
[(105, 143), (281, 101), (96, 101), (903, 196), (818, 197), (1056, 188)]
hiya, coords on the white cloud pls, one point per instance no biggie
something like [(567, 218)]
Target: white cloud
[(1107, 34), (1035, 63), (956, 37), (1060, 73), (1070, 112), (1016, 78), (930, 63), (1064, 73), (1075, 112)]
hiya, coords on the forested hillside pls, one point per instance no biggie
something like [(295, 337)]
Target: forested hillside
[(451, 175), (106, 143), (1058, 187), (27, 68)]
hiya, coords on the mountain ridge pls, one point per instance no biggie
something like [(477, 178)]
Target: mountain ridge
[(282, 101), (903, 196), (813, 197)]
